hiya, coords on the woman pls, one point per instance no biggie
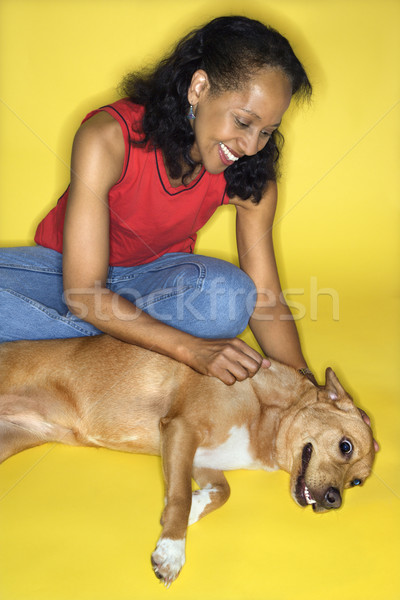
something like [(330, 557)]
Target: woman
[(147, 172)]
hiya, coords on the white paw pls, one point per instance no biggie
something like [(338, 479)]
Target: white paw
[(168, 559), (200, 499)]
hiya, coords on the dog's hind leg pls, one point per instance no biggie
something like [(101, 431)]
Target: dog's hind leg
[(178, 448), (14, 438), (214, 492), (23, 427)]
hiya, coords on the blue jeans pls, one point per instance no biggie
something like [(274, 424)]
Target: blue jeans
[(204, 296)]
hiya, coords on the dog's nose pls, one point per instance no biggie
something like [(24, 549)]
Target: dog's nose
[(332, 498)]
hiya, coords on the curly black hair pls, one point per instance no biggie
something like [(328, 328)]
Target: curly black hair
[(230, 50)]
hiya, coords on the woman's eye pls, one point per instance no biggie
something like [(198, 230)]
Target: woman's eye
[(346, 447), (240, 123), (266, 134)]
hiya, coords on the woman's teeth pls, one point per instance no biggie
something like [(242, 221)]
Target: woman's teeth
[(227, 153)]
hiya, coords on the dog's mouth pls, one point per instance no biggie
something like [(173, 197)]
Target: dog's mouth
[(302, 493)]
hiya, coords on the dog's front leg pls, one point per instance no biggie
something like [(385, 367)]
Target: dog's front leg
[(178, 446), (214, 492)]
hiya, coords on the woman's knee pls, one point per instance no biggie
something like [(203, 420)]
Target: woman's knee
[(201, 295), (231, 296), (223, 304)]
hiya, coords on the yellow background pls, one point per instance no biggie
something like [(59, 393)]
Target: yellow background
[(81, 524)]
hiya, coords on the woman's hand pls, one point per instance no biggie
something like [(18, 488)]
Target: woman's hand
[(229, 360)]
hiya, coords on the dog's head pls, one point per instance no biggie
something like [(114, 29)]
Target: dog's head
[(332, 448)]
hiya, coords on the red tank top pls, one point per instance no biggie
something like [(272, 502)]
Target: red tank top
[(148, 217)]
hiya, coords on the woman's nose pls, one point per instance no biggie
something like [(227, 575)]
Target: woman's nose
[(249, 144)]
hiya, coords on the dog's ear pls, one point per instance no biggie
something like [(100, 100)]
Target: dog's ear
[(335, 391)]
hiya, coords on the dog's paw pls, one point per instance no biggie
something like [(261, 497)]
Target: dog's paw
[(200, 499), (168, 559)]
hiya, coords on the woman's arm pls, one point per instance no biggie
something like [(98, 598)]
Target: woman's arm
[(97, 163), (272, 322)]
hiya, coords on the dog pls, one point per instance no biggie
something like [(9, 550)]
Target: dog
[(98, 391)]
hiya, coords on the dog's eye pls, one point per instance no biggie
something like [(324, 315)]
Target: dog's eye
[(356, 482), (346, 447)]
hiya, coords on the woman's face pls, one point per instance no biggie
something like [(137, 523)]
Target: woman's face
[(236, 123)]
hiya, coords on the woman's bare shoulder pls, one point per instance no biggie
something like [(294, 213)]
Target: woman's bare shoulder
[(100, 137), (101, 127)]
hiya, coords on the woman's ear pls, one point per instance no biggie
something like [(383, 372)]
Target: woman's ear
[(198, 86)]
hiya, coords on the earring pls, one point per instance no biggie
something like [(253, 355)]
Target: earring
[(191, 116)]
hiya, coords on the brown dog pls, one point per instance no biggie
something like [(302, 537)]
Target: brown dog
[(98, 391)]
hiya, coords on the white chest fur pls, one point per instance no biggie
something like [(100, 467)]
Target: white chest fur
[(234, 453)]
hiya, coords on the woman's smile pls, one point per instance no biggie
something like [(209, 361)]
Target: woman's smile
[(228, 157)]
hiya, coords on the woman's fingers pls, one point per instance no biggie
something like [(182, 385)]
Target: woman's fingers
[(229, 360)]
